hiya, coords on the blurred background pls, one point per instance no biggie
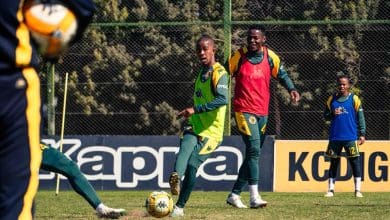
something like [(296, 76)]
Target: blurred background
[(135, 67)]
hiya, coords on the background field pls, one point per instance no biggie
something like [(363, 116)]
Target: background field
[(211, 205)]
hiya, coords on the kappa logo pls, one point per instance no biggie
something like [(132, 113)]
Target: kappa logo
[(342, 110), (132, 166)]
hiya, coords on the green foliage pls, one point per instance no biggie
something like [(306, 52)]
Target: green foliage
[(144, 74), (111, 11)]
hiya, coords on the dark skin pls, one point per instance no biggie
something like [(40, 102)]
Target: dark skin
[(205, 50), (255, 40), (343, 86)]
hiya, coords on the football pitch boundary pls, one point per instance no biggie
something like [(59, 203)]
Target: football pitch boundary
[(212, 205)]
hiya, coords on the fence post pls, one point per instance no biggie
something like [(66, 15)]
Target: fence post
[(227, 30), (50, 99)]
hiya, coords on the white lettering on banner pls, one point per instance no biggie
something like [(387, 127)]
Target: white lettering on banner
[(224, 176), (136, 177), (83, 158), (128, 165)]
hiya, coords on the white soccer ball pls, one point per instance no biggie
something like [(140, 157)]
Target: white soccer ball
[(159, 204), (52, 26)]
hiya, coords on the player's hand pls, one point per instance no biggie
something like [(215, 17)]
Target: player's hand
[(295, 97), (362, 139), (187, 112)]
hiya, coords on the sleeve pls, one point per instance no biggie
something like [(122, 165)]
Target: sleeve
[(234, 61), (220, 81), (328, 111), (84, 10), (278, 71), (360, 115)]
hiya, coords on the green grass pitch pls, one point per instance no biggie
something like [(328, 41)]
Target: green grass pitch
[(212, 205)]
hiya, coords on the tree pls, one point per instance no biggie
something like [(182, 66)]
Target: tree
[(132, 78)]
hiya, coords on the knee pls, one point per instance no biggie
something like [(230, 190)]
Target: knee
[(71, 169), (253, 151)]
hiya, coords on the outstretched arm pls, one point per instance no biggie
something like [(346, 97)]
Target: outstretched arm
[(278, 72)]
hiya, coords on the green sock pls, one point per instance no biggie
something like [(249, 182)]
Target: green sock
[(187, 186)]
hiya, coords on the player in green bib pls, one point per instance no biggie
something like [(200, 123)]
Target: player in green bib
[(206, 119)]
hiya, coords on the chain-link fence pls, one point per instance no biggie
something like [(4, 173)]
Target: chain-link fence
[(135, 67)]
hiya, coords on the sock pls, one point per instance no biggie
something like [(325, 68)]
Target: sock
[(331, 183), (234, 195), (179, 208), (101, 206), (253, 191), (358, 183)]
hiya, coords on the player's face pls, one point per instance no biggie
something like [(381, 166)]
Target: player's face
[(205, 51), (255, 40), (343, 86)]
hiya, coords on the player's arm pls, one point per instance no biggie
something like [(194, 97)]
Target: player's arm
[(83, 10), (362, 122), (221, 83), (360, 115), (278, 71), (362, 125), (233, 63), (328, 115)]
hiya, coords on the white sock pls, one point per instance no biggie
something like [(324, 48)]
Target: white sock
[(332, 181), (101, 206), (178, 208), (253, 191), (234, 195), (358, 183)]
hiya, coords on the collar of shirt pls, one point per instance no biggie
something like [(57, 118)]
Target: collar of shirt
[(255, 57), (206, 73)]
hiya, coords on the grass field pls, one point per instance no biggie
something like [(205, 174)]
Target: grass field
[(212, 205)]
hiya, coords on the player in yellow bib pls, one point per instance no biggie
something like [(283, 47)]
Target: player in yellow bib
[(206, 119)]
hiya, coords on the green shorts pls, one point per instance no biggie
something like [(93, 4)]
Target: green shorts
[(335, 147), (193, 150)]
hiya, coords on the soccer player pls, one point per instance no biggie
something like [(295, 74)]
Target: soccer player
[(55, 161), (20, 104), (206, 119), (252, 67), (344, 110)]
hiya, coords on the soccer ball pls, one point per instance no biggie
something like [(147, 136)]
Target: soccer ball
[(52, 26), (159, 204)]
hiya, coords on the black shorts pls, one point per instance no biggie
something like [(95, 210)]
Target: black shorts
[(335, 147)]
